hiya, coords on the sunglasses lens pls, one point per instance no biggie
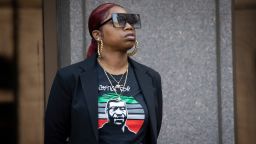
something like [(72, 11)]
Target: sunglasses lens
[(120, 20), (134, 20)]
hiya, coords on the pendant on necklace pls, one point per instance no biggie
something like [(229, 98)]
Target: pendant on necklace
[(118, 86)]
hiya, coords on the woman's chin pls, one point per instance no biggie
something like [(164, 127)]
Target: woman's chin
[(130, 44)]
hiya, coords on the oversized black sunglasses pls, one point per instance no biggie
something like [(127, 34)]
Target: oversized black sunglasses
[(119, 20)]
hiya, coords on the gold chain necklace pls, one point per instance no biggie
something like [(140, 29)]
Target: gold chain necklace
[(118, 85), (115, 78)]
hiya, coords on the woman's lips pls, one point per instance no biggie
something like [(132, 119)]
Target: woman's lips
[(130, 36)]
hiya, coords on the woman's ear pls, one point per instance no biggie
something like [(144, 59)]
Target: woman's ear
[(96, 35)]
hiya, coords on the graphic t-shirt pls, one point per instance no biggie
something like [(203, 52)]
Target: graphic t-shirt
[(122, 115)]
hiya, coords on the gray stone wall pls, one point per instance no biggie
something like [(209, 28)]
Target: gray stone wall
[(71, 31), (190, 44)]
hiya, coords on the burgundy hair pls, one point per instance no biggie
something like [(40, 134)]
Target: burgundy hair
[(95, 19)]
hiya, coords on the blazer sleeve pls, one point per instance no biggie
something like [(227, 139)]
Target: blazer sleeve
[(57, 115), (159, 106)]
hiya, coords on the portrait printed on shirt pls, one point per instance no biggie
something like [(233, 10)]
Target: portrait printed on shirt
[(120, 113)]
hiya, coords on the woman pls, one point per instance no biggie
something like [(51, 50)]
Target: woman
[(107, 98)]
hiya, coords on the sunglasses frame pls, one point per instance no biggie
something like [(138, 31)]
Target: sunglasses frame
[(114, 18)]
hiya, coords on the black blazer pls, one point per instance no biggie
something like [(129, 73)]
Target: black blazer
[(72, 109)]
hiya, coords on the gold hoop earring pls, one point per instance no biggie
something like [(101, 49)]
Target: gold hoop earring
[(100, 47), (134, 50)]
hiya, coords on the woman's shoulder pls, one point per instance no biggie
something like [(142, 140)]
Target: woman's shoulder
[(77, 68), (73, 69), (143, 67)]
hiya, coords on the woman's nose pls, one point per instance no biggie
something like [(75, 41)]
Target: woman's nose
[(128, 26)]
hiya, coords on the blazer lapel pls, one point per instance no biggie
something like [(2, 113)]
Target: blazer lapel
[(89, 81), (145, 83)]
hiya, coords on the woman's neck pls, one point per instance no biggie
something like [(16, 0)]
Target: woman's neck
[(114, 63)]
